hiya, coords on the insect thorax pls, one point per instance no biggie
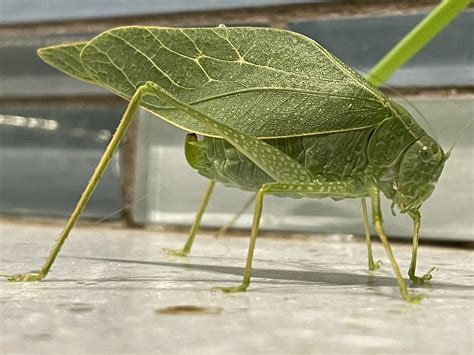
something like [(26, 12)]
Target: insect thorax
[(335, 155)]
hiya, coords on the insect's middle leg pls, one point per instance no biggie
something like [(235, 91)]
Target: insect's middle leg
[(197, 223)]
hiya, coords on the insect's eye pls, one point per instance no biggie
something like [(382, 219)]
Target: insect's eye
[(425, 153)]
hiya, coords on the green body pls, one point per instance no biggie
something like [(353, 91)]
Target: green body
[(367, 154), (274, 85), (334, 154)]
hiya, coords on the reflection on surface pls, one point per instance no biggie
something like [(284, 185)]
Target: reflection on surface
[(101, 135), (47, 154), (30, 122)]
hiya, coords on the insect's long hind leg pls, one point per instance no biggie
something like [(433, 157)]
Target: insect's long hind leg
[(91, 185), (317, 188), (253, 239), (372, 265), (197, 222), (378, 223), (282, 167), (416, 216)]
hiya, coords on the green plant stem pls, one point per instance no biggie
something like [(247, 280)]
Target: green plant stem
[(431, 25)]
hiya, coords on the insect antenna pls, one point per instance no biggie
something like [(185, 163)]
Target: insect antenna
[(405, 100), (131, 204)]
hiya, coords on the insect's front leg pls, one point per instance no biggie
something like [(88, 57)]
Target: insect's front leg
[(416, 217), (91, 185), (317, 188), (374, 193)]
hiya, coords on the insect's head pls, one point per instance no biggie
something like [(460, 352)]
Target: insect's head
[(420, 168)]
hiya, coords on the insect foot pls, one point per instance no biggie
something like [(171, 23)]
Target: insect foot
[(375, 266), (174, 252), (232, 289), (425, 279), (415, 299), (25, 277)]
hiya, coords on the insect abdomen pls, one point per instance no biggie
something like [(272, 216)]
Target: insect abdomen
[(220, 161), (336, 155)]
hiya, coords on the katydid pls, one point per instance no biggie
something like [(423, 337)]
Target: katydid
[(278, 115)]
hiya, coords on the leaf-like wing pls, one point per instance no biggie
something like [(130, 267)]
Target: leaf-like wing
[(265, 82), (66, 58)]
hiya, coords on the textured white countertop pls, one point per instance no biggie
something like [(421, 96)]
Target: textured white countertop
[(113, 290)]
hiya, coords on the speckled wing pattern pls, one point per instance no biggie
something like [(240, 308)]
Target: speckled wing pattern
[(264, 82)]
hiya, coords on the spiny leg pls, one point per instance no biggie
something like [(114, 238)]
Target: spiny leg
[(87, 193), (416, 216), (318, 188), (372, 266), (282, 167), (234, 219), (274, 162), (197, 222), (378, 223)]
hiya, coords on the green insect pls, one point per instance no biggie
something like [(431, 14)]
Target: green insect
[(278, 115)]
